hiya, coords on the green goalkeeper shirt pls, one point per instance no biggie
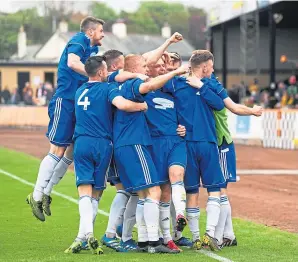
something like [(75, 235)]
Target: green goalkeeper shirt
[(222, 128)]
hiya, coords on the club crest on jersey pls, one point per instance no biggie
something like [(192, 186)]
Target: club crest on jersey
[(198, 93), (162, 103)]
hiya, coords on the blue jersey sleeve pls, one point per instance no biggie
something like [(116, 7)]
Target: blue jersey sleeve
[(78, 45), (111, 77), (211, 98), (135, 89), (169, 87), (113, 92)]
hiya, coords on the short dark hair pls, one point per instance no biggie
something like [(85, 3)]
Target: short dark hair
[(200, 56), (93, 64), (111, 55), (90, 22)]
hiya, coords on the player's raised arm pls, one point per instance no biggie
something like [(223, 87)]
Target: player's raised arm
[(160, 81), (153, 56)]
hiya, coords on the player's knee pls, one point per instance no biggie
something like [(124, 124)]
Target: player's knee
[(69, 152), (176, 173), (57, 150), (154, 193), (85, 190), (224, 191), (165, 193), (214, 191), (96, 193), (119, 186), (192, 199)]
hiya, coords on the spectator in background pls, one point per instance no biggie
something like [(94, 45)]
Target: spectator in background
[(49, 92), (26, 88), (254, 88), (29, 99), (292, 92), (281, 95), (41, 95), (235, 93), (5, 96), (15, 98)]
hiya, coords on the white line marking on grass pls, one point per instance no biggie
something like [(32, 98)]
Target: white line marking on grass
[(71, 199), (214, 256), (267, 172)]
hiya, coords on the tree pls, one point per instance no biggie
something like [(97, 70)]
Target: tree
[(161, 12), (197, 26), (37, 29), (102, 11)]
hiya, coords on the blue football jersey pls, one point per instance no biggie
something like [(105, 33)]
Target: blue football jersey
[(93, 109), (131, 128), (161, 114), (195, 113), (216, 86), (112, 75), (68, 80)]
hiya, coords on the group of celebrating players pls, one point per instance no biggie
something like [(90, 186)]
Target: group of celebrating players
[(156, 130)]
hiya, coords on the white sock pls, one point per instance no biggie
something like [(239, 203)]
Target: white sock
[(219, 230), (213, 212), (141, 224), (179, 197), (117, 209), (59, 172), (46, 170), (129, 218), (86, 217), (228, 230), (193, 217), (151, 213), (95, 203), (164, 221)]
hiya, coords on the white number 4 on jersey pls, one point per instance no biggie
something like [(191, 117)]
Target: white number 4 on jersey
[(84, 103)]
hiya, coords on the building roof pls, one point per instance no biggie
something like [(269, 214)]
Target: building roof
[(132, 44), (30, 55)]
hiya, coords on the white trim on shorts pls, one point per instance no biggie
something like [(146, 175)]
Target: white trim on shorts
[(56, 118), (144, 164)]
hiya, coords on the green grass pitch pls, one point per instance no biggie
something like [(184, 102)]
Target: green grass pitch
[(23, 238)]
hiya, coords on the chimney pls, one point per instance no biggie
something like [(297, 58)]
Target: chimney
[(119, 29), (166, 31), (22, 43), (63, 27)]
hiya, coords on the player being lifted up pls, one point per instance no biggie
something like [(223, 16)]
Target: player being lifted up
[(93, 144), (71, 74)]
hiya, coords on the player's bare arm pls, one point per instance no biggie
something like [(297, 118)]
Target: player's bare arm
[(153, 56), (74, 62), (160, 81), (128, 106), (242, 110), (125, 75)]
